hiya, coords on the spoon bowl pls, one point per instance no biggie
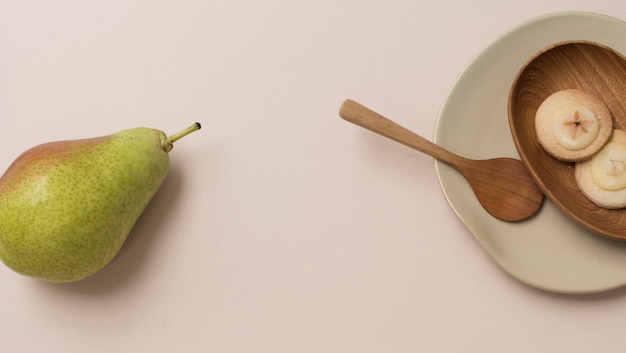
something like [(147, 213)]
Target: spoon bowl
[(583, 65)]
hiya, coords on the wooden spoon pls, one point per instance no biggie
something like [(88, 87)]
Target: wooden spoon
[(588, 66), (502, 185)]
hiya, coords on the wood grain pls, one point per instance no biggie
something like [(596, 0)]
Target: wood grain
[(588, 66)]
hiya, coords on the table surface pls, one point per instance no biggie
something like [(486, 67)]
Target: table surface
[(281, 227)]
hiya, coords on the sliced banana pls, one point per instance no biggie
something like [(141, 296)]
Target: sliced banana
[(603, 177), (608, 167), (572, 125), (575, 126)]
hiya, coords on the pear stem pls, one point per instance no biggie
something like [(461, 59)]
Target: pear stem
[(177, 136)]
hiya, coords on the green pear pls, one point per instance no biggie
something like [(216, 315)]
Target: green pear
[(66, 207)]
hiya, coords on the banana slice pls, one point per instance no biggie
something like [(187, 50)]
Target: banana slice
[(603, 177), (572, 125), (608, 167), (575, 126)]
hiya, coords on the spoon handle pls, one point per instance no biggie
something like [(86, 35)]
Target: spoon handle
[(366, 118)]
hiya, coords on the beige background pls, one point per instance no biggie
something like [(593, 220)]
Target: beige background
[(281, 228)]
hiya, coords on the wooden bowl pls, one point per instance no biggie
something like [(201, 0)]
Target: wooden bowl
[(588, 66)]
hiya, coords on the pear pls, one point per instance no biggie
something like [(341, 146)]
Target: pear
[(66, 207)]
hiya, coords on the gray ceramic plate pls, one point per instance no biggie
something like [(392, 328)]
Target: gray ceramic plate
[(549, 251)]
